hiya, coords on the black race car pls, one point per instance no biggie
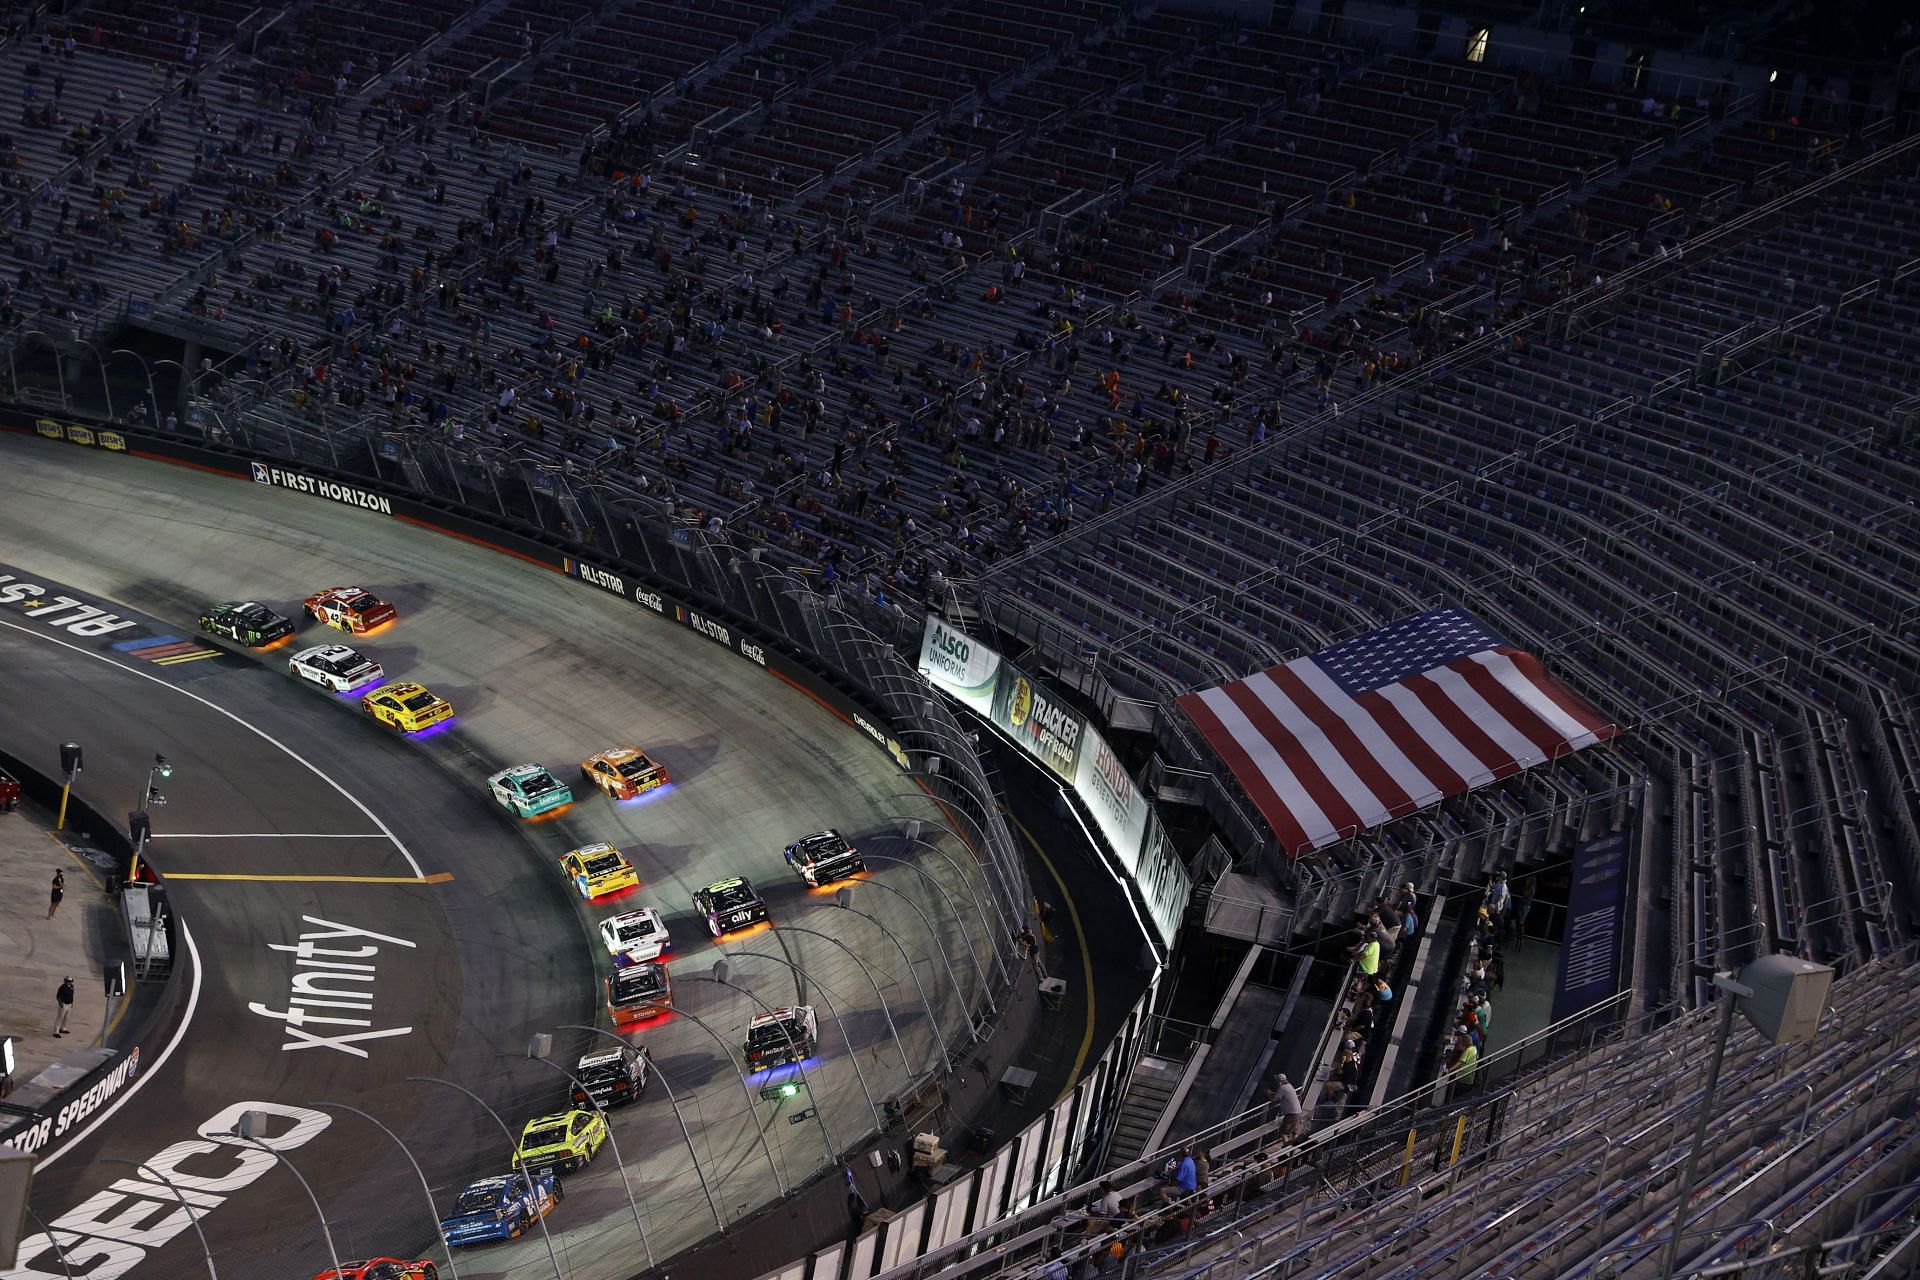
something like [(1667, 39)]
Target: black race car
[(246, 622), (823, 857), (729, 904)]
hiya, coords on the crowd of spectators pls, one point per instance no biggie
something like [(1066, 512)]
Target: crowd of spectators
[(911, 396)]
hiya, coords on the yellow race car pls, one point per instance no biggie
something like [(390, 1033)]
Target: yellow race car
[(598, 870), (565, 1141), (624, 772), (407, 707)]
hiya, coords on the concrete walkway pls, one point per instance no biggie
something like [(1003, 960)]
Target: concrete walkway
[(36, 953)]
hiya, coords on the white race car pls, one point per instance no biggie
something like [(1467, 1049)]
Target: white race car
[(635, 936), (336, 667)]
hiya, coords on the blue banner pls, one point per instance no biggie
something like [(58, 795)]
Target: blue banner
[(1596, 903)]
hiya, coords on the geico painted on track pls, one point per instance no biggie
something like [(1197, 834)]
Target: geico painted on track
[(111, 1232)]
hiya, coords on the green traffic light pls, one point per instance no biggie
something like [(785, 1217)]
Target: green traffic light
[(789, 1089)]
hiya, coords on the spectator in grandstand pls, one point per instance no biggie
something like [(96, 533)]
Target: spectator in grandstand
[(1366, 953), (1408, 904), (1184, 1178), (1343, 1081), (1499, 897), (1283, 1101), (1517, 914), (1109, 1206), (1465, 1061), (1391, 922)]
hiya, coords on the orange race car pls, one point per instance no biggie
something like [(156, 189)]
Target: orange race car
[(351, 609), (624, 772)]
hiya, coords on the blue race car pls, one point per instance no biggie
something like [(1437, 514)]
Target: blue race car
[(501, 1208)]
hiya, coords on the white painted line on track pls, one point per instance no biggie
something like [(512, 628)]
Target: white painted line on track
[(214, 706), (148, 1070), (266, 835)]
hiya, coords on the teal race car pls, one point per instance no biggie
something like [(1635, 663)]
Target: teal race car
[(529, 790)]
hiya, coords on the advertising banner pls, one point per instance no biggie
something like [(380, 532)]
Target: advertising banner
[(1163, 882), (959, 666), (1590, 953), (1047, 730), (1106, 788), (1072, 750)]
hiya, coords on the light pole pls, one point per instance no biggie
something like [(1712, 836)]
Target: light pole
[(844, 900), (186, 1204), (539, 1046), (59, 1251), (986, 926), (153, 396), (104, 388), (1783, 997), (519, 1163), (726, 1051), (959, 993), (654, 1070), (142, 824), (885, 1009), (58, 372), (996, 885), (252, 1125), (723, 976), (978, 968), (183, 391), (853, 1053), (433, 1209)]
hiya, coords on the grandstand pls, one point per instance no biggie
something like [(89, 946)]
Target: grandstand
[(1154, 348)]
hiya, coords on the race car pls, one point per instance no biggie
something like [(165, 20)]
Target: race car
[(501, 1208), (336, 667), (633, 936), (245, 622), (610, 1077), (781, 1036), (407, 706), (823, 857), (529, 790), (624, 772), (638, 992), (729, 904), (598, 870), (564, 1141), (350, 609), (382, 1269)]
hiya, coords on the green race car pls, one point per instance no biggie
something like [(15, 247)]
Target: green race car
[(529, 790), (245, 622)]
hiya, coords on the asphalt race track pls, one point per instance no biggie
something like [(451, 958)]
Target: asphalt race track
[(361, 829)]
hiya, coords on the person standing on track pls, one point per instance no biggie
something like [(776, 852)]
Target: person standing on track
[(57, 891), (63, 1006)]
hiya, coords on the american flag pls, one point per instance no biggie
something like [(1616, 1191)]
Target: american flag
[(1388, 723)]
